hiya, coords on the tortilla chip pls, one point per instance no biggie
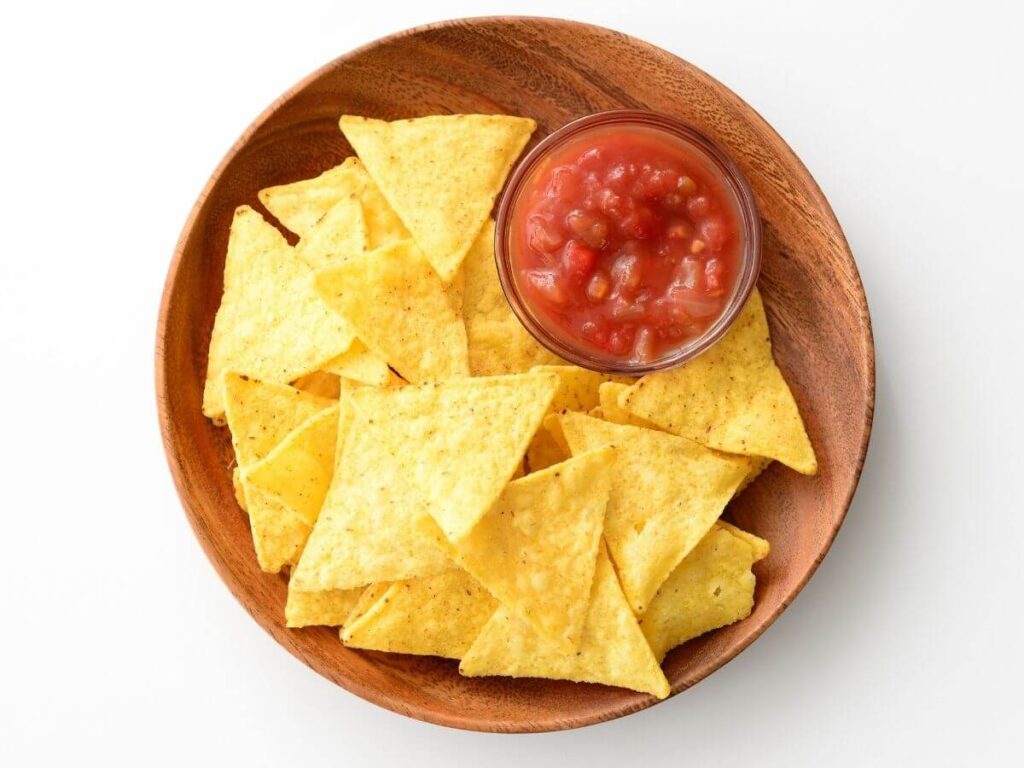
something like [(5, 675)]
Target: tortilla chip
[(536, 549), (320, 383), (236, 484), (498, 343), (758, 464), (338, 235), (733, 397), (399, 309), (441, 174), (447, 450), (544, 451), (271, 324), (319, 609), (260, 415), (578, 388), (668, 493), (613, 650), (301, 204), (278, 533), (298, 471), (360, 364), (367, 599), (436, 616), (608, 395), (711, 588)]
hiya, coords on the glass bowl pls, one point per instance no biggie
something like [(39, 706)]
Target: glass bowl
[(716, 161)]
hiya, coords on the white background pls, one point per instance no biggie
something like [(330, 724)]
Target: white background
[(119, 645)]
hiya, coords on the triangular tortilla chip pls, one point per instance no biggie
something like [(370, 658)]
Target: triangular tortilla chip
[(536, 549), (498, 342), (320, 383), (447, 450), (712, 587), (399, 308), (613, 651), (260, 415), (733, 397), (271, 324), (544, 451), (360, 364), (668, 493), (338, 235), (441, 174), (436, 616), (278, 533), (610, 392), (298, 471), (608, 396), (301, 204), (319, 609), (578, 388)]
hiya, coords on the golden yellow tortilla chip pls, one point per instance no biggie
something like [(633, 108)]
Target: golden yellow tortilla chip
[(298, 471), (536, 549), (441, 174), (544, 451), (498, 343), (758, 464), (435, 616), (399, 308), (668, 493), (319, 609), (360, 364), (236, 484), (613, 650), (338, 235), (733, 397), (301, 204), (260, 415), (608, 395), (271, 324), (320, 383), (712, 587), (578, 388), (446, 450)]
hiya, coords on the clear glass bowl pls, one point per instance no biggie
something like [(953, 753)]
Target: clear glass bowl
[(733, 181)]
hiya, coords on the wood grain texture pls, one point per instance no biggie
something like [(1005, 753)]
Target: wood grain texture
[(554, 71)]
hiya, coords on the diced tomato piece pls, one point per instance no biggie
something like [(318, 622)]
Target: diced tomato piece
[(590, 227), (643, 345), (578, 260), (548, 286), (639, 223), (626, 273), (714, 233), (599, 287), (544, 235), (699, 206)]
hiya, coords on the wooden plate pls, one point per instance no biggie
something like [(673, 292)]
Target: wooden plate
[(553, 71)]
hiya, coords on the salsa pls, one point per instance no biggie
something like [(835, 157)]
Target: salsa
[(627, 242)]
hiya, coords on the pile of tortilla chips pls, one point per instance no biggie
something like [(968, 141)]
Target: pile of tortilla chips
[(435, 482)]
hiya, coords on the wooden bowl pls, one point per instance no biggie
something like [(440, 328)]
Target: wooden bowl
[(553, 71)]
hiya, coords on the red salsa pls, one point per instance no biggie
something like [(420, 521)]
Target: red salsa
[(627, 242)]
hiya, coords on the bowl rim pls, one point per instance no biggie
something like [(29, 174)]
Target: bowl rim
[(171, 439), (684, 133)]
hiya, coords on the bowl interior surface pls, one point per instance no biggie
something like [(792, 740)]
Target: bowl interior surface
[(553, 71)]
